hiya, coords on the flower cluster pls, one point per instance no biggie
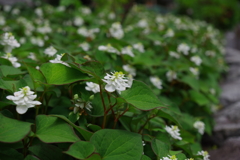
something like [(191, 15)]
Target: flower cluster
[(94, 87), (173, 131), (9, 42), (12, 59), (116, 82), (50, 51), (116, 30), (79, 103), (169, 158), (24, 99)]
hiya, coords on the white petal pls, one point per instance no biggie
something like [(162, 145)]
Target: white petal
[(22, 109), (110, 88)]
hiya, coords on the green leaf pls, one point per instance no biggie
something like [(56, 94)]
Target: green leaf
[(80, 150), (117, 144), (94, 157), (52, 130), (144, 157), (58, 74), (160, 148), (199, 98), (47, 152), (12, 86), (36, 76), (170, 115), (191, 81), (12, 130), (10, 70), (141, 96), (94, 68), (10, 154), (86, 134), (31, 157)]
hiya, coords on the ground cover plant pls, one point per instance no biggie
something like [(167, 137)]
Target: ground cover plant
[(78, 84)]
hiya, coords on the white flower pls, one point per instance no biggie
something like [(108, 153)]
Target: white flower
[(116, 30), (142, 23), (7, 8), (50, 51), (156, 82), (210, 53), (174, 54), (9, 42), (32, 56), (37, 41), (169, 33), (108, 48), (183, 48), (61, 8), (79, 103), (157, 43), (200, 126), (15, 11), (85, 46), (94, 87), (86, 10), (44, 29), (24, 99), (197, 60), (12, 59), (38, 12), (111, 16), (173, 131), (171, 75), (88, 33), (204, 154), (58, 60), (116, 81), (78, 21), (127, 50), (139, 47), (129, 69), (212, 91), (170, 158), (194, 71)]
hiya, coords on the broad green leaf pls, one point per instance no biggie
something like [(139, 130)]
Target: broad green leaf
[(80, 150), (47, 151), (4, 61), (181, 156), (94, 157), (144, 157), (160, 148), (94, 68), (52, 129), (36, 76), (12, 86), (58, 74), (86, 134), (117, 144), (199, 98), (10, 70), (12, 130), (191, 81), (10, 154), (31, 157), (170, 115), (141, 96)]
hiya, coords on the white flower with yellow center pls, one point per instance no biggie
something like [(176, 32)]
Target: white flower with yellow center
[(200, 126), (139, 47), (169, 33), (108, 48), (116, 30), (204, 154), (169, 158), (194, 71), (50, 51), (94, 87), (197, 60), (173, 131), (24, 99), (156, 82), (12, 59), (116, 82), (85, 46), (127, 50), (9, 42)]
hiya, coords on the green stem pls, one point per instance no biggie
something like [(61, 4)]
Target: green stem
[(140, 130), (104, 107)]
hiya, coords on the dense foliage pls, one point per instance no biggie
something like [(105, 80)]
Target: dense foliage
[(223, 14), (77, 84)]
